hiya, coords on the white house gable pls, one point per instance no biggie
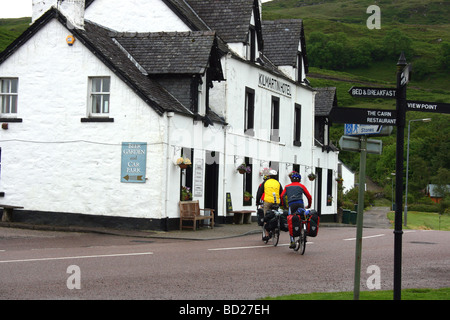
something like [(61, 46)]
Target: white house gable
[(57, 148), (133, 15)]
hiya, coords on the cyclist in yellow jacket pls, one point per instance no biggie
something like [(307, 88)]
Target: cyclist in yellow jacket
[(269, 192)]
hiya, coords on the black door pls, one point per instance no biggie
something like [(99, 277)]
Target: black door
[(318, 190), (212, 181)]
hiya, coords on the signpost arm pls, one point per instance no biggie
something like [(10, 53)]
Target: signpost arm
[(359, 217), (398, 232)]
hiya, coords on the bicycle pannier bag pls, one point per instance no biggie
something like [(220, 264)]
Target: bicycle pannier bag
[(272, 224), (283, 222), (312, 225), (260, 217), (294, 225)]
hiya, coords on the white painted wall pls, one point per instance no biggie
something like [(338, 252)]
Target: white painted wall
[(69, 166), (228, 99), (134, 15), (53, 162), (72, 9)]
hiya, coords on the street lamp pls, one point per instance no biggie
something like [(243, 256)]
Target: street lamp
[(407, 166)]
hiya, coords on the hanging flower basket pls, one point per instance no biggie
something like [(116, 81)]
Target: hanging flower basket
[(311, 176), (243, 168), (183, 163), (339, 180), (186, 194)]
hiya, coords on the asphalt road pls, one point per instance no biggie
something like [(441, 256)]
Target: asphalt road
[(39, 265)]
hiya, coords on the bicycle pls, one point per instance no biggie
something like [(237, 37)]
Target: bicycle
[(300, 241), (274, 234)]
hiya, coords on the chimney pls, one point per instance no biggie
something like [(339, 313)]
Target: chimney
[(73, 10)]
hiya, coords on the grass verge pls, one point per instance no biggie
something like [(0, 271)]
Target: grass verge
[(407, 294), (424, 221)]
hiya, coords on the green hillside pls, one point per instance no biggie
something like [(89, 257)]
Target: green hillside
[(10, 29), (343, 52)]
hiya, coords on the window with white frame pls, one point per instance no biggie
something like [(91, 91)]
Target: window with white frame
[(99, 96), (8, 96)]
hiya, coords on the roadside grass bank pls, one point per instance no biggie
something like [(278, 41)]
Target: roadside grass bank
[(407, 294), (424, 220)]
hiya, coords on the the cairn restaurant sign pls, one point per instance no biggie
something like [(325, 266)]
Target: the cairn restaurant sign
[(273, 84)]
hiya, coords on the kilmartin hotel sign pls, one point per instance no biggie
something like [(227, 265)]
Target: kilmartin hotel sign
[(275, 85)]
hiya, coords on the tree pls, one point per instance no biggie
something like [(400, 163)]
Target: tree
[(445, 56), (395, 42)]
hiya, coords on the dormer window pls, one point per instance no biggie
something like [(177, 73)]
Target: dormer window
[(251, 44), (299, 67)]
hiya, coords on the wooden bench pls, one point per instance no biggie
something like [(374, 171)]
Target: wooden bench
[(190, 211), (241, 216), (8, 212)]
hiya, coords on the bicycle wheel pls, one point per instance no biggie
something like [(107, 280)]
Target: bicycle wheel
[(275, 236), (297, 243), (302, 239), (263, 235)]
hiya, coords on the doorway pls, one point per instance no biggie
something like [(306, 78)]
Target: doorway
[(212, 182), (318, 190)]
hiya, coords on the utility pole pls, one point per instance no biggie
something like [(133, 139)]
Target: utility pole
[(402, 80)]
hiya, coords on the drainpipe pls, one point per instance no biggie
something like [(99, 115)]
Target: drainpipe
[(224, 169), (164, 214)]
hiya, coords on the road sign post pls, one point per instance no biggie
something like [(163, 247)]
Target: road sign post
[(402, 80), (362, 145), (359, 217), (358, 116)]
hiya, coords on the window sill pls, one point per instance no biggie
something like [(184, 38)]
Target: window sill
[(97, 119), (11, 120)]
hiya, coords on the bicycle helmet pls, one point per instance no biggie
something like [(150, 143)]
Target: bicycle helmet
[(295, 176)]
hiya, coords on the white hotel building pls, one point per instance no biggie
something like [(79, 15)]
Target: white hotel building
[(100, 98)]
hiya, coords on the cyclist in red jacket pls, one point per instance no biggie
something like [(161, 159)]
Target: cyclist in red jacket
[(294, 193)]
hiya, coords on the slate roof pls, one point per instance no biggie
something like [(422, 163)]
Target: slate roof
[(149, 90), (229, 18), (170, 52), (282, 38), (98, 40), (325, 100), (185, 12), (437, 191)]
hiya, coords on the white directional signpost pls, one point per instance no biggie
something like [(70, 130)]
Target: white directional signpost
[(357, 116)]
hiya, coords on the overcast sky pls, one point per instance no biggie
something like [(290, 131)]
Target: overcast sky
[(21, 8), (15, 8)]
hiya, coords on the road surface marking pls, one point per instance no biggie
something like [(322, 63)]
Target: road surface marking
[(79, 257), (377, 235), (251, 247)]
